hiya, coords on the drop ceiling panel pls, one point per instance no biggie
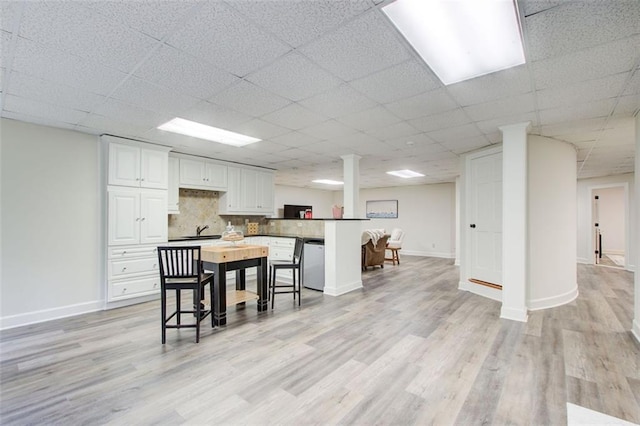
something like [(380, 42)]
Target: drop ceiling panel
[(260, 129), (363, 46), (148, 95), (425, 104), (265, 146), (37, 89), (581, 92), (581, 24), (370, 119), (250, 99), (9, 10), (184, 73), (294, 117), (154, 18), (72, 28), (220, 35), (64, 68), (519, 104), (339, 101), (401, 81), (456, 117), (588, 64), (131, 114), (601, 108), (215, 115), (42, 110), (295, 139), (393, 131), (453, 134), (329, 129), (299, 22), (501, 84), (627, 105), (569, 127), (54, 122), (294, 77), (460, 146)]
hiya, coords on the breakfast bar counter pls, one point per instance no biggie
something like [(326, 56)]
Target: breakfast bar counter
[(222, 259)]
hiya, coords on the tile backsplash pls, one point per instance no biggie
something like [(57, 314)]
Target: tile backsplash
[(200, 208)]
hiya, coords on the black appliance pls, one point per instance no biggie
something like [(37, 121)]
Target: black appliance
[(292, 211)]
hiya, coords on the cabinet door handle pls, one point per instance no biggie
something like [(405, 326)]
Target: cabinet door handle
[(142, 219), (124, 269), (473, 225)]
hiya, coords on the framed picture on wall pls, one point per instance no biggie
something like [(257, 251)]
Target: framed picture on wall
[(385, 209)]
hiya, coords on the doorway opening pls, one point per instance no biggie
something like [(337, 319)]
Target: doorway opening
[(609, 226)]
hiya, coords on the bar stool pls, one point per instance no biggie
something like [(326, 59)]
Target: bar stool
[(294, 265), (181, 269)]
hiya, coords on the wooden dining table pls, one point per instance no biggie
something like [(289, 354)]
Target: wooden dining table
[(239, 257)]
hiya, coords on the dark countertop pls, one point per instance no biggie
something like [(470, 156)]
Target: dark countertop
[(320, 218), (217, 237)]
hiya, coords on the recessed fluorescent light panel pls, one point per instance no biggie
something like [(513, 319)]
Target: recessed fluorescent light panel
[(461, 39), (202, 131), (328, 182), (406, 174)]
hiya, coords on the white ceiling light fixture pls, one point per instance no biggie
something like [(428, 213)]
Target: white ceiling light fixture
[(461, 39), (210, 133), (405, 174), (328, 182)]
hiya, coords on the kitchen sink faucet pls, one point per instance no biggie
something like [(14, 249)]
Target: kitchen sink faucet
[(199, 230)]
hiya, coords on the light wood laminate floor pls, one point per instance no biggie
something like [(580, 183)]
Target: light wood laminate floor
[(407, 349)]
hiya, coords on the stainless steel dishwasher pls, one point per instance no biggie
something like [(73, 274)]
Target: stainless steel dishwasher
[(313, 265)]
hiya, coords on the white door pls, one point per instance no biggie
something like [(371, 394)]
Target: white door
[(153, 217), (154, 168), (249, 190), (173, 186), (265, 192), (124, 165), (234, 190), (485, 225), (191, 173), (124, 217), (216, 175)]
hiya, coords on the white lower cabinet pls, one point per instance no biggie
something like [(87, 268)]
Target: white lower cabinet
[(132, 272)]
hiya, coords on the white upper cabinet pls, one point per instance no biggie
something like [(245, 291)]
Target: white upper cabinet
[(249, 192), (199, 174), (132, 165)]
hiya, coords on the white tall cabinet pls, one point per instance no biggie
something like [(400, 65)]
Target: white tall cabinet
[(137, 200), (249, 192)]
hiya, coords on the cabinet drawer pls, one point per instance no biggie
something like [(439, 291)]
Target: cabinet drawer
[(134, 288), (278, 253), (128, 252), (121, 268), (282, 242)]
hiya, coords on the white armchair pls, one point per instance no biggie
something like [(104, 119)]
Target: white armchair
[(394, 244)]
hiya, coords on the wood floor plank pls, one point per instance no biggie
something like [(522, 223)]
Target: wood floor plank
[(408, 348)]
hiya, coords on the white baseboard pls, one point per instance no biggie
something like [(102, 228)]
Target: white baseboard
[(613, 252), (480, 290), (344, 288), (553, 301), (514, 314), (132, 301), (635, 329), (440, 254), (585, 261), (35, 317)]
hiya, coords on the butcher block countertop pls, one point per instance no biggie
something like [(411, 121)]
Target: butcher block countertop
[(224, 254)]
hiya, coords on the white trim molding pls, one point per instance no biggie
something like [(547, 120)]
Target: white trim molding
[(553, 301), (43, 315)]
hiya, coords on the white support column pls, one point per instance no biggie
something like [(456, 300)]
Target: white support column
[(342, 263), (351, 185), (635, 234), (514, 221)]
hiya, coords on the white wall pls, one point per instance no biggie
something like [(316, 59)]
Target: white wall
[(426, 213), (611, 219), (320, 200), (585, 229), (51, 223), (552, 223)]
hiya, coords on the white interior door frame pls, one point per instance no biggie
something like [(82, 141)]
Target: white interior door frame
[(590, 216)]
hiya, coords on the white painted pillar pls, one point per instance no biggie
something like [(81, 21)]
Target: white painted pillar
[(342, 262), (457, 236), (636, 236), (351, 164), (514, 221)]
